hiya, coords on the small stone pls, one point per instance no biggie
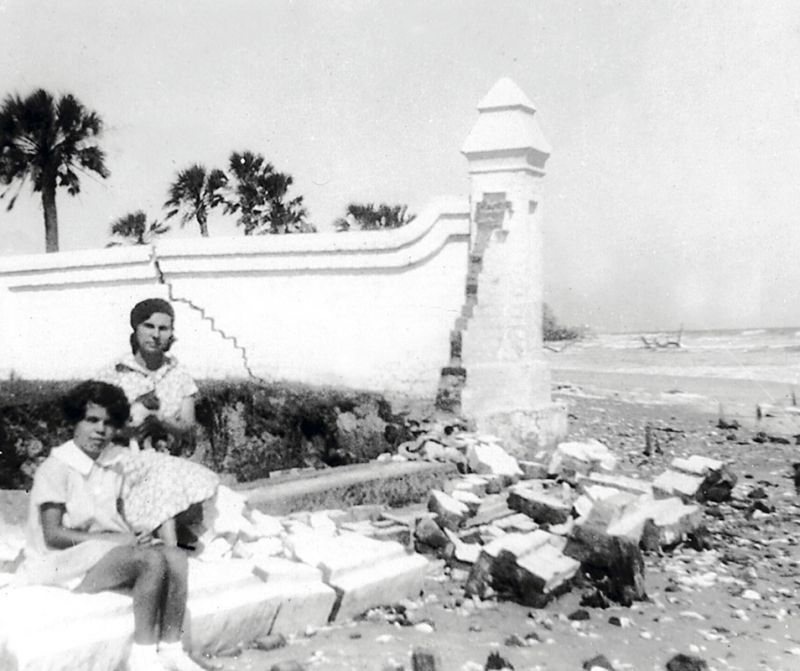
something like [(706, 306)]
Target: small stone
[(424, 627), (270, 642), (595, 599), (681, 662), (423, 659), (515, 641), (287, 665), (495, 661), (598, 662), (579, 614)]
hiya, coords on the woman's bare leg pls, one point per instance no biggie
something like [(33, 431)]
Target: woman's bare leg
[(173, 604), (144, 569), (167, 532)]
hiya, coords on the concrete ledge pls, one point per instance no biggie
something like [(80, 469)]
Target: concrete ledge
[(53, 629), (394, 484)]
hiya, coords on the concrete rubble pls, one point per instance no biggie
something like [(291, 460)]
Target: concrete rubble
[(528, 533)]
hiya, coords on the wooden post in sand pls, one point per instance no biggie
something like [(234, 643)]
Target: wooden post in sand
[(507, 389)]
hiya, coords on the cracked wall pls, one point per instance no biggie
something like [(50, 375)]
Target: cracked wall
[(361, 310)]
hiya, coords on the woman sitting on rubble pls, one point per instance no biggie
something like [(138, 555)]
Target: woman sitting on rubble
[(161, 394), (76, 532)]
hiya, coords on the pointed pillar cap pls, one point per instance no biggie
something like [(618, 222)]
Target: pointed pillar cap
[(506, 122)]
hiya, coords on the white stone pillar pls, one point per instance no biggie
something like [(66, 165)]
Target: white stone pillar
[(507, 390)]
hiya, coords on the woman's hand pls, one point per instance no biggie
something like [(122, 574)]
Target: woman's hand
[(119, 538), (139, 413)]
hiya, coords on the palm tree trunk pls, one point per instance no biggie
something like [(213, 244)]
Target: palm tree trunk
[(202, 220), (50, 215)]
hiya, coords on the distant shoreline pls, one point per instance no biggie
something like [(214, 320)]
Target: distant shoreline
[(737, 398)]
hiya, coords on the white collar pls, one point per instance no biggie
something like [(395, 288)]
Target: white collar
[(74, 457)]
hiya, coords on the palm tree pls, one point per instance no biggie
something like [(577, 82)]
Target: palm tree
[(259, 197), (371, 217), (133, 229), (196, 191), (49, 141)]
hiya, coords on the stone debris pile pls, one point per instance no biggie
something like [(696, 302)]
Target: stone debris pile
[(531, 530)]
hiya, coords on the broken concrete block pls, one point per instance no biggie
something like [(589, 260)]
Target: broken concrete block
[(449, 512), (615, 562), (519, 522), (620, 482), (493, 507), (469, 499), (673, 483), (541, 506), (475, 484), (399, 533), (491, 458), (581, 457), (498, 567), (321, 523), (58, 630), (265, 525), (428, 533), (364, 572), (463, 552), (303, 599), (671, 519), (608, 507), (533, 470), (542, 574), (263, 547), (696, 465)]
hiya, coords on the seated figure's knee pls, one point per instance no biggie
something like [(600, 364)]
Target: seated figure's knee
[(176, 560), (151, 560)]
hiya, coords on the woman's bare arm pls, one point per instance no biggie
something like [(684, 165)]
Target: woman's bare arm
[(59, 537)]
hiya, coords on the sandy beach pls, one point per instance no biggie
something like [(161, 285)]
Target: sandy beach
[(733, 603)]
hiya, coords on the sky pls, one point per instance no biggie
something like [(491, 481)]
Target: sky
[(673, 186)]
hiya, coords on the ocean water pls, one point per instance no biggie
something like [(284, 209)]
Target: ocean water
[(769, 355)]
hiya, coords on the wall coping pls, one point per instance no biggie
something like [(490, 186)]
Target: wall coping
[(284, 252)]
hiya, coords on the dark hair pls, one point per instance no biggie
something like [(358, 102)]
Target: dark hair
[(107, 396), (142, 311)]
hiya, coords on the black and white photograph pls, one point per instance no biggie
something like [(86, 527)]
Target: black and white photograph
[(381, 335)]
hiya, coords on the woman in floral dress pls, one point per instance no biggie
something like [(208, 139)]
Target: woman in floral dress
[(157, 486)]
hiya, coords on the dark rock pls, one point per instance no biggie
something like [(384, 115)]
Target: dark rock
[(515, 641), (429, 533), (495, 661), (683, 662), (615, 621), (699, 539), (614, 563), (578, 615), (598, 661), (717, 485), (270, 642), (728, 424), (423, 659), (757, 493), (595, 599)]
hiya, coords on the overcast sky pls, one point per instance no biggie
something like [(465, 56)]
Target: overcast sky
[(672, 193)]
